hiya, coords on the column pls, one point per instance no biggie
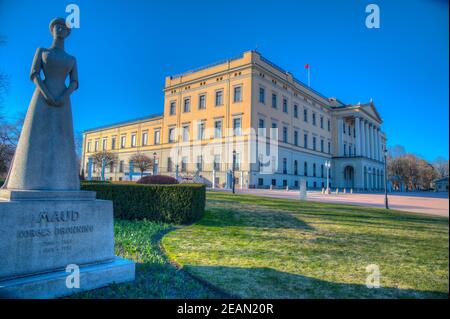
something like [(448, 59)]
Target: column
[(374, 144), (371, 141), (363, 139), (340, 140), (380, 151), (357, 138), (367, 139)]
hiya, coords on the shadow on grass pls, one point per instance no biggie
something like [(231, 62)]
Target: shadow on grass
[(270, 283)]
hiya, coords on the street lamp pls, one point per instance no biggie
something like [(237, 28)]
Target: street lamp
[(232, 171), (385, 179), (327, 166), (154, 163)]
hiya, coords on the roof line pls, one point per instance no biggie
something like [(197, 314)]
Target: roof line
[(148, 117)]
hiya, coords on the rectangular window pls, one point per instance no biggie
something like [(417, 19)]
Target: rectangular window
[(201, 131), (133, 140), (284, 165), (184, 160), (262, 96), (218, 129), (285, 105), (329, 125), (322, 148), (187, 105), (314, 119), (217, 162), (169, 164), (305, 115), (274, 131), (329, 148), (104, 144), (185, 133), (113, 143), (173, 107), (237, 94), (199, 163), (123, 140), (88, 147), (202, 101), (305, 169), (321, 122), (296, 138), (121, 165), (343, 127), (171, 135), (237, 164), (285, 134), (156, 137), (237, 126), (219, 98), (144, 138), (305, 140), (345, 149), (96, 146), (274, 100), (314, 143), (296, 111), (295, 167)]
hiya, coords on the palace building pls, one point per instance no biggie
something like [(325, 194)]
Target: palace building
[(212, 115)]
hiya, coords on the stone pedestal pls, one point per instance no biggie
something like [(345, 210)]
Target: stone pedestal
[(42, 232)]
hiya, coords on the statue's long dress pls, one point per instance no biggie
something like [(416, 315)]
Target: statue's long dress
[(45, 157)]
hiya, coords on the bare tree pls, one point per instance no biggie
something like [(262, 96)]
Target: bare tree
[(103, 158), (440, 164), (142, 162)]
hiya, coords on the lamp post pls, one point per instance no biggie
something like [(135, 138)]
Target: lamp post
[(232, 171), (385, 180), (327, 166), (154, 163)]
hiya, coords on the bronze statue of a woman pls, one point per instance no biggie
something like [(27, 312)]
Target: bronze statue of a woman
[(45, 156)]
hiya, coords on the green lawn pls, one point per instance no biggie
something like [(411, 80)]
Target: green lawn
[(155, 277), (275, 248)]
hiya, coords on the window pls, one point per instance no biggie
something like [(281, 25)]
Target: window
[(185, 133), (285, 105), (199, 163), (133, 140), (237, 126), (296, 111), (321, 122), (314, 169), (329, 125), (123, 140), (219, 98), (113, 143), (171, 135), (88, 147), (314, 143), (111, 167), (237, 163), (305, 140), (284, 165), (305, 115), (321, 171), (156, 137), (285, 134), (96, 146), (104, 144), (274, 182), (169, 164), (260, 181), (218, 129), (274, 100), (262, 96), (184, 160), (343, 125), (216, 164), (144, 138), (121, 165), (274, 131), (201, 131), (345, 149), (354, 132), (187, 105), (322, 149), (329, 147), (296, 138), (305, 169), (173, 107), (237, 94), (202, 101), (295, 167), (314, 119)]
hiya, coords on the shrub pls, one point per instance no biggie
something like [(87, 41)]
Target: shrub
[(157, 179), (179, 204)]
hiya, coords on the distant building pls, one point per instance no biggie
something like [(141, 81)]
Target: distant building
[(441, 185), (218, 104)]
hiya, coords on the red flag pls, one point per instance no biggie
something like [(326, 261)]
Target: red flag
[(306, 66)]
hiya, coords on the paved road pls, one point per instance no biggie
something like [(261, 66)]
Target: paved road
[(425, 203)]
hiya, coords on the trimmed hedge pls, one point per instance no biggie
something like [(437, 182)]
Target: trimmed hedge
[(157, 179), (179, 204)]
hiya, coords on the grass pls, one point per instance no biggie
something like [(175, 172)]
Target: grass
[(156, 278), (255, 247)]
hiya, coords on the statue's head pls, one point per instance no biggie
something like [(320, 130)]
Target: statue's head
[(59, 28)]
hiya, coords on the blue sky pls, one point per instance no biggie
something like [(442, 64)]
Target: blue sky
[(125, 49)]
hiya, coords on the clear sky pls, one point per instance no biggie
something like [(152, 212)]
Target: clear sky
[(125, 49)]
